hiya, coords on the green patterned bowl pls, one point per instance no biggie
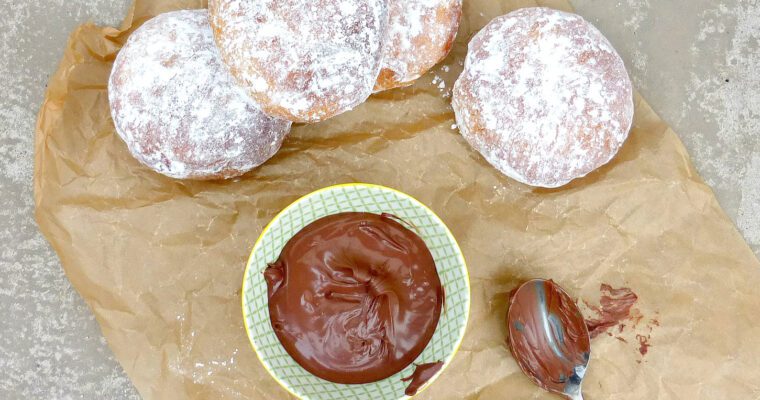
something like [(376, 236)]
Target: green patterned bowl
[(344, 198)]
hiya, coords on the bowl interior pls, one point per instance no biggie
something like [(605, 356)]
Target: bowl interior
[(344, 198)]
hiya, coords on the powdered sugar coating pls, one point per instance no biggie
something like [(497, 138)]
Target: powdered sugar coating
[(420, 35), (544, 97), (178, 109), (303, 60)]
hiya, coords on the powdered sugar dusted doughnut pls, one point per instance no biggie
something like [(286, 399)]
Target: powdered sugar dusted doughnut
[(420, 35), (303, 60), (179, 110), (544, 97)]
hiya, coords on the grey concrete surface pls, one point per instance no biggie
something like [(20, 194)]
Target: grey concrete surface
[(50, 345), (696, 61)]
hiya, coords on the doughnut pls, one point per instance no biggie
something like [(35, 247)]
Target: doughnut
[(543, 97), (302, 60), (178, 109), (420, 35)]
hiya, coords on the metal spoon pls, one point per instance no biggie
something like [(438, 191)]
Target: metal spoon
[(548, 337)]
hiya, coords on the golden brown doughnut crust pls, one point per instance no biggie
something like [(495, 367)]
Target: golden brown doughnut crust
[(302, 60), (178, 109), (420, 35)]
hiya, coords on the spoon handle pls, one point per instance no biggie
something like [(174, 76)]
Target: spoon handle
[(576, 396)]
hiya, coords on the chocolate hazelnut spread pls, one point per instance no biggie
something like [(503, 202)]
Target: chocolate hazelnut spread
[(354, 297)]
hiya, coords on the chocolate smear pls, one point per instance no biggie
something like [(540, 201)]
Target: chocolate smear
[(421, 375), (615, 307), (643, 344)]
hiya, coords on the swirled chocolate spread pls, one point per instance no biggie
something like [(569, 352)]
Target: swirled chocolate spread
[(354, 297)]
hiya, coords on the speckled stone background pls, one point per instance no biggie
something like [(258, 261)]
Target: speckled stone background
[(696, 61)]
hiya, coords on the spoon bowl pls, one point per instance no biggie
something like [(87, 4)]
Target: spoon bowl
[(548, 337)]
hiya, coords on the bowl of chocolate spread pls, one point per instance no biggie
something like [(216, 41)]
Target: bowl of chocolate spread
[(356, 291)]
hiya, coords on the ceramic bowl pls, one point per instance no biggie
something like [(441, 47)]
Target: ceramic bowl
[(358, 198)]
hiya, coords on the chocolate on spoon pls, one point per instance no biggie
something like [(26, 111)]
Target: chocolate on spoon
[(548, 337)]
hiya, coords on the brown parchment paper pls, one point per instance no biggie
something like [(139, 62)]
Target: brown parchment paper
[(160, 261)]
